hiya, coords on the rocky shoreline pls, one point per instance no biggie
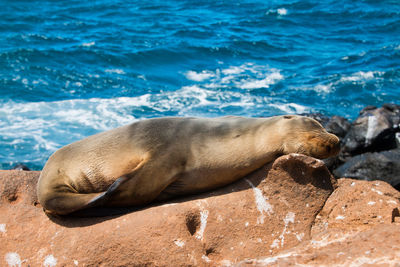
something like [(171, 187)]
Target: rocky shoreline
[(290, 212), (370, 145)]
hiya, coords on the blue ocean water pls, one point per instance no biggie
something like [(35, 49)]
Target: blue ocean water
[(69, 69)]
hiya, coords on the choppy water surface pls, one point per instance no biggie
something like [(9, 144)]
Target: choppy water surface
[(69, 69)]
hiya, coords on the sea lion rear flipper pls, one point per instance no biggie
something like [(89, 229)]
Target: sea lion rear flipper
[(64, 203)]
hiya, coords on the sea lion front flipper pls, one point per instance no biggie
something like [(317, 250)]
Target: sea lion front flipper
[(104, 196), (173, 190)]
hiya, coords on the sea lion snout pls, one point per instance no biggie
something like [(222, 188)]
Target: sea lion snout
[(319, 148), (322, 146)]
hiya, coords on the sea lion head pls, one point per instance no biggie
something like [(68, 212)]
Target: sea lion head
[(307, 136)]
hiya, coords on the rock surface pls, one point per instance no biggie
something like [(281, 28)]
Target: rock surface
[(20, 167), (252, 217), (374, 130), (369, 145), (358, 226), (335, 124), (290, 212), (369, 166)]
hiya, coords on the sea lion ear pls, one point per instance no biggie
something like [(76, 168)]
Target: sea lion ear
[(288, 116)]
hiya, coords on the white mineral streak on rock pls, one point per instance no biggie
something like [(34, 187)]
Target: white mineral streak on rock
[(384, 260), (203, 224), (261, 203), (372, 123), (13, 259), (275, 243), (288, 219), (280, 241), (225, 263), (50, 261), (340, 217), (273, 259), (206, 259), (180, 243), (398, 137), (325, 240), (376, 191), (2, 228), (299, 236)]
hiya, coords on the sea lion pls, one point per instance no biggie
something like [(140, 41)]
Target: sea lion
[(160, 158)]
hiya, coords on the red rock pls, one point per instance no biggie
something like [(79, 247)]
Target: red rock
[(358, 205), (358, 226), (376, 246), (285, 214), (270, 211)]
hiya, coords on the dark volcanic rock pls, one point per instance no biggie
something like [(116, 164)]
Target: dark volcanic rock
[(318, 117), (335, 124), (374, 130), (383, 166), (20, 167), (338, 126)]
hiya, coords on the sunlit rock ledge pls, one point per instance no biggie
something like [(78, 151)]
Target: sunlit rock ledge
[(291, 211)]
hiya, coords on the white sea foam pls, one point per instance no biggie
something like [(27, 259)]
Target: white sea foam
[(291, 108), (323, 88), (43, 127), (46, 126), (246, 76), (198, 76), (282, 11), (116, 71), (232, 70), (88, 44), (361, 76), (272, 78)]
